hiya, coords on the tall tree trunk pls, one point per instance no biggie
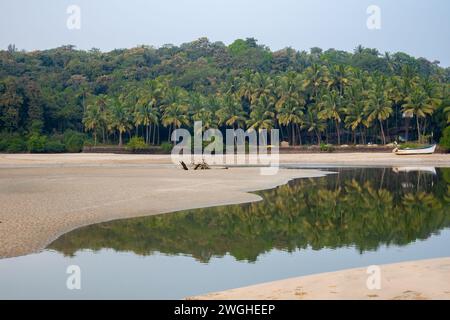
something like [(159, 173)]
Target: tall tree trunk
[(168, 134), (154, 133), (293, 134), (382, 131), (407, 128), (120, 138), (418, 129), (159, 136), (338, 132), (299, 134), (318, 137)]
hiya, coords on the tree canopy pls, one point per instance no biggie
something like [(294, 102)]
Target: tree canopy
[(332, 95)]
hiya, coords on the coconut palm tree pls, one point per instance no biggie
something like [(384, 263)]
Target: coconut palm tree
[(262, 85), (315, 78), (419, 105), (231, 113), (354, 109), (119, 117), (378, 107), (174, 116), (339, 78), (330, 105), (262, 114), (147, 114), (290, 103), (312, 123), (92, 120), (175, 110)]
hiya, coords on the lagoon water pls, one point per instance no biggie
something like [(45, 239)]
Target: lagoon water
[(353, 218)]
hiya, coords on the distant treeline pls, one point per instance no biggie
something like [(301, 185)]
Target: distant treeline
[(312, 97)]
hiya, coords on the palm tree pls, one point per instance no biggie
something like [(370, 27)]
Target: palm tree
[(206, 116), (146, 114), (262, 85), (231, 113), (312, 123), (290, 103), (175, 110), (175, 115), (315, 77), (290, 113), (354, 110), (262, 114), (447, 112), (338, 78), (419, 105), (378, 108), (92, 120), (330, 105), (245, 83), (119, 117)]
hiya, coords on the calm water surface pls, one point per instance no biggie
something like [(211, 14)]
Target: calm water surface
[(356, 217)]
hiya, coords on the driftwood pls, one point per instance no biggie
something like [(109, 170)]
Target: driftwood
[(196, 166), (184, 165), (201, 166)]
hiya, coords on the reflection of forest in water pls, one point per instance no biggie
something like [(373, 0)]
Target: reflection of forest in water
[(364, 208)]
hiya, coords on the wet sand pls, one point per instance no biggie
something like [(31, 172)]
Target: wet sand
[(42, 198), (45, 195), (415, 280), (319, 159)]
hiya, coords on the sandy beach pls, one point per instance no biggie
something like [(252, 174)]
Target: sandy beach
[(310, 159), (415, 280), (43, 196)]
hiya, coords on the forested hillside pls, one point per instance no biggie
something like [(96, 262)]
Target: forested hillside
[(55, 100)]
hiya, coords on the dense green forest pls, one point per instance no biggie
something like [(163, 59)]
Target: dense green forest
[(59, 99)]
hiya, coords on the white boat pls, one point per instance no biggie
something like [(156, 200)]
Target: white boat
[(431, 170), (421, 150)]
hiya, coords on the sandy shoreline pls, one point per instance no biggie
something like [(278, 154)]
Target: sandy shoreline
[(43, 196), (414, 280), (319, 159), (38, 204)]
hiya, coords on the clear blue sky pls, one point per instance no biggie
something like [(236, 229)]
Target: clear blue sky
[(418, 27)]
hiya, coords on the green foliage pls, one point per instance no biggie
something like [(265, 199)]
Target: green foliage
[(73, 141), (36, 143), (326, 147), (12, 143), (445, 140), (137, 143), (329, 95), (53, 145), (167, 147)]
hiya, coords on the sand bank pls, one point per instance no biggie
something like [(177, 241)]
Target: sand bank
[(37, 204), (416, 280), (44, 195), (327, 159)]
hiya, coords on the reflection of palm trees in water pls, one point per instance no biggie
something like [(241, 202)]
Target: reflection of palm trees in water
[(364, 208)]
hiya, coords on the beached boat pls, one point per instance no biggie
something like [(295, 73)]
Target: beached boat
[(420, 150), (431, 170)]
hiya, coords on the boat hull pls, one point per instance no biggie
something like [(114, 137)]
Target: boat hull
[(427, 150)]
